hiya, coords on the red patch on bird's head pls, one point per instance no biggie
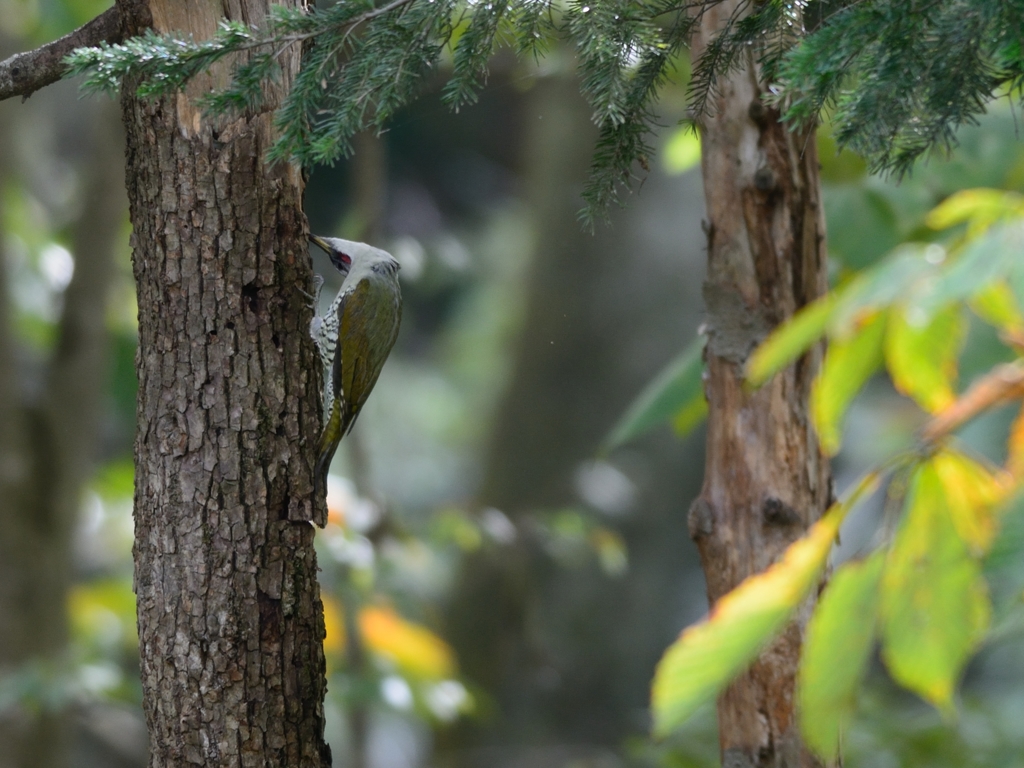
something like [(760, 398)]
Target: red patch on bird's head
[(342, 261)]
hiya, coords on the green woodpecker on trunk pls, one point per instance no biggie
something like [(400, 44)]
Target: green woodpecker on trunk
[(354, 337)]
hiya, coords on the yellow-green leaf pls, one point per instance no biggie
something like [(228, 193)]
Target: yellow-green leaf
[(971, 494), (790, 340), (900, 274), (691, 415), (413, 648), (921, 358), (934, 603), (981, 207), (675, 393), (990, 257), (103, 610), (848, 365), (708, 655), (839, 640), (996, 305)]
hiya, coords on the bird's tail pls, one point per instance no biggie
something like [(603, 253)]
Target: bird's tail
[(329, 440)]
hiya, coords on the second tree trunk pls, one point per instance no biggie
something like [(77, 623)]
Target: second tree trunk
[(766, 481)]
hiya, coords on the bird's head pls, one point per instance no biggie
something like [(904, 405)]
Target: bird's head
[(345, 254), (341, 252)]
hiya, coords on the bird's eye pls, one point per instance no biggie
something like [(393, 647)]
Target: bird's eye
[(341, 260)]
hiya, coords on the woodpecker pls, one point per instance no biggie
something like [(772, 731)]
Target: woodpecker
[(354, 338)]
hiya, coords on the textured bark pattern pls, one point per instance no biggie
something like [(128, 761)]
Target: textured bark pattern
[(766, 480), (230, 618)]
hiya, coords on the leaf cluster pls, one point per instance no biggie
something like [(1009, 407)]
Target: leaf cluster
[(921, 593)]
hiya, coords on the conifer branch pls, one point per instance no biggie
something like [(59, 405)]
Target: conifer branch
[(25, 73), (901, 77)]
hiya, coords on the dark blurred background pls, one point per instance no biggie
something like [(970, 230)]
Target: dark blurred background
[(516, 585)]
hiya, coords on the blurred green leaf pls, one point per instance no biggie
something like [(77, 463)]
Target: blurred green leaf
[(921, 357), (979, 207), (861, 223), (934, 603), (690, 415), (708, 655), (836, 166), (847, 367), (997, 306), (102, 613), (455, 526), (115, 480), (838, 646), (610, 547), (891, 280), (682, 151), (790, 340), (36, 332), (981, 262), (677, 391)]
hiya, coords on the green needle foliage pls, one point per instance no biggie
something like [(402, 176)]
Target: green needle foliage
[(363, 61), (902, 75)]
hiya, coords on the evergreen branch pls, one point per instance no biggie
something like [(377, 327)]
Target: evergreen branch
[(718, 60), (349, 83), (162, 63), (472, 53), (903, 77), (533, 24), (624, 132), (25, 73)]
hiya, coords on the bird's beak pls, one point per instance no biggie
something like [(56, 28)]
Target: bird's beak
[(320, 242)]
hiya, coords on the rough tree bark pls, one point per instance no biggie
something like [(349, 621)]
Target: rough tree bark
[(230, 619), (765, 480)]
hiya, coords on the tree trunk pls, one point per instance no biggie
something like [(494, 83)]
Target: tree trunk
[(230, 619), (765, 480)]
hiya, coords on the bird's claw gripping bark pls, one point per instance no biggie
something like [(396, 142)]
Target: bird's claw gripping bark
[(316, 324), (314, 297)]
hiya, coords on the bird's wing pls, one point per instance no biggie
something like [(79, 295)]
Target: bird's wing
[(366, 333)]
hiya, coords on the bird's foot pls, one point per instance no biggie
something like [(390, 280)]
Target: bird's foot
[(314, 298)]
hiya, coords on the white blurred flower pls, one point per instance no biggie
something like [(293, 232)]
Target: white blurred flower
[(354, 550), (57, 265), (348, 508), (605, 487), (396, 692), (447, 699), (410, 255), (99, 678), (497, 525)]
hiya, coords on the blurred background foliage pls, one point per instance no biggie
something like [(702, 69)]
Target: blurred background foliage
[(497, 590)]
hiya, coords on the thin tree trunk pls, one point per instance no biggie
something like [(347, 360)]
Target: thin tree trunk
[(765, 480), (230, 619)]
